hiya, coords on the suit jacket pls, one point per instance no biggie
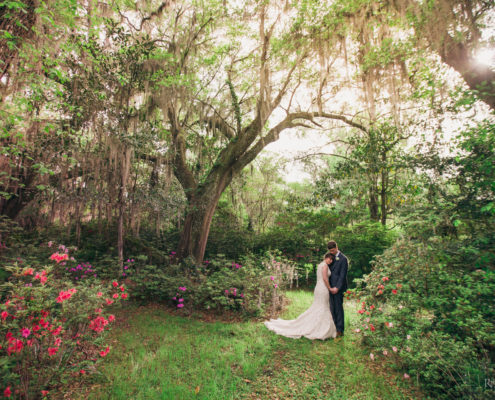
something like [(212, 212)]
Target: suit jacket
[(339, 268)]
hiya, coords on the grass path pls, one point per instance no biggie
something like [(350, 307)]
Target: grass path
[(157, 355)]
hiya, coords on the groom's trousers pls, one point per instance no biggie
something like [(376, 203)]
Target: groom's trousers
[(337, 310)]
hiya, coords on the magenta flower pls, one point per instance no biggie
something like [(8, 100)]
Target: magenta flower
[(180, 305), (226, 291), (183, 288), (272, 278), (26, 332), (181, 300)]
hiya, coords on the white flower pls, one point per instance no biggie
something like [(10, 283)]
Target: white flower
[(337, 258), (394, 349), (372, 356), (408, 337)]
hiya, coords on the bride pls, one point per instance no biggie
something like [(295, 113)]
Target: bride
[(316, 322)]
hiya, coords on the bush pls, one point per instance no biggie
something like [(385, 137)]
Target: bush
[(51, 328), (430, 308), (217, 285), (360, 243)]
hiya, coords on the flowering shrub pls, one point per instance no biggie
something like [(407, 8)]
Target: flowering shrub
[(430, 317), (50, 328), (218, 284)]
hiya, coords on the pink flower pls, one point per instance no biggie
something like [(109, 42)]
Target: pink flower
[(4, 314), (406, 376), (372, 356), (394, 349), (52, 350), (275, 286), (372, 328), (103, 353), (108, 301), (226, 291), (26, 332), (124, 295), (357, 330), (361, 311), (182, 288), (408, 337), (272, 278), (394, 291), (115, 296), (58, 342), (99, 294), (111, 318), (115, 284), (180, 305), (181, 300), (385, 352), (7, 392), (385, 279), (57, 331)]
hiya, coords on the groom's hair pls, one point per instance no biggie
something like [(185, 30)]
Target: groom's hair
[(332, 244)]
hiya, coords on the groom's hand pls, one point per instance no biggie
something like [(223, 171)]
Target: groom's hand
[(334, 290)]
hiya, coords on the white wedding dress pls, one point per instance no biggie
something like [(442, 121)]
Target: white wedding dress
[(314, 323)]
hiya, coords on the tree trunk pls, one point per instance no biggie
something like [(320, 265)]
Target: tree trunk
[(383, 191), (373, 204), (199, 215)]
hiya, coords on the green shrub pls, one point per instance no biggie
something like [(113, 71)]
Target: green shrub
[(430, 307), (217, 285), (51, 329), (360, 243)]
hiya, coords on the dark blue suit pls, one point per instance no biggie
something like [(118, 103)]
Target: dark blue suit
[(338, 279)]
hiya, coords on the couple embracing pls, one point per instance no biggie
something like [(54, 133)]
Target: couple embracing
[(325, 317)]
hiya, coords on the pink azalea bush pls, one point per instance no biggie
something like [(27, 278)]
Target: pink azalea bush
[(429, 319), (50, 328)]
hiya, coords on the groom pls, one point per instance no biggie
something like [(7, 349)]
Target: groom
[(338, 285)]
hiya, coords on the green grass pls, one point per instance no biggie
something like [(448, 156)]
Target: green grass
[(156, 355)]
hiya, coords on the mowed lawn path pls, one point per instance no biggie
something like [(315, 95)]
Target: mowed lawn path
[(157, 354)]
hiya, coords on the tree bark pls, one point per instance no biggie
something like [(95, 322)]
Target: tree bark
[(201, 208), (373, 204), (477, 76)]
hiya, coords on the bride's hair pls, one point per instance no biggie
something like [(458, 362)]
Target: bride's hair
[(329, 255)]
